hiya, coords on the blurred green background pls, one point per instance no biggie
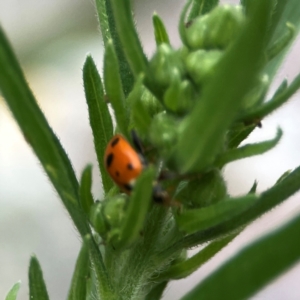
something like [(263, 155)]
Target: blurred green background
[(51, 39)]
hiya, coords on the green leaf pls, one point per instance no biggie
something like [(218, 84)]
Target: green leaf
[(12, 294), (253, 188), (109, 31), (187, 267), (78, 288), (182, 22), (38, 133), (37, 286), (253, 267), (265, 202), (160, 32), (104, 17), (285, 11), (248, 150), (194, 220), (131, 44), (85, 193), (281, 96), (128, 36), (137, 210), (239, 133), (113, 87), (204, 129), (201, 7), (157, 292), (281, 42), (100, 119), (102, 281)]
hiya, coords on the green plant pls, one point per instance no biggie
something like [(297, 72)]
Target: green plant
[(192, 107)]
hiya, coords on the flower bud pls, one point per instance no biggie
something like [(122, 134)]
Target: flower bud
[(163, 133), (200, 64), (178, 98), (97, 219), (114, 210), (166, 65), (217, 29)]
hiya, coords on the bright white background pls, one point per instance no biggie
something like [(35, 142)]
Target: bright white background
[(52, 38)]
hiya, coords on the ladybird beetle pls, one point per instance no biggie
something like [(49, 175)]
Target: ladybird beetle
[(122, 163)]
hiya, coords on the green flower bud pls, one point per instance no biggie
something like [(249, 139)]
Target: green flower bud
[(163, 133), (166, 65), (204, 191), (217, 29), (97, 219), (200, 65), (151, 104), (179, 96), (114, 209)]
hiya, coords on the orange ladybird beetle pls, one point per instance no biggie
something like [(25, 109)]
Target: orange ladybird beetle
[(124, 165)]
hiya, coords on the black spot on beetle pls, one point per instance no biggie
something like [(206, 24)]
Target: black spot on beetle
[(109, 160), (117, 174), (129, 166), (127, 187), (115, 142)]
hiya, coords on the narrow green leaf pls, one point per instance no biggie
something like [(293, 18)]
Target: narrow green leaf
[(37, 286), (194, 220), (239, 133), (38, 133), (284, 11), (282, 42), (282, 87), (182, 22), (266, 201), (207, 124), (103, 18), (253, 188), (131, 44), (137, 209), (187, 267), (113, 87), (255, 266), (160, 32), (128, 36), (78, 289), (267, 107), (201, 7), (157, 292), (109, 31), (12, 294), (248, 150), (283, 176), (85, 194), (102, 281), (100, 118)]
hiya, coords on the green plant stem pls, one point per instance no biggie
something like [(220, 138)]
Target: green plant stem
[(139, 266)]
